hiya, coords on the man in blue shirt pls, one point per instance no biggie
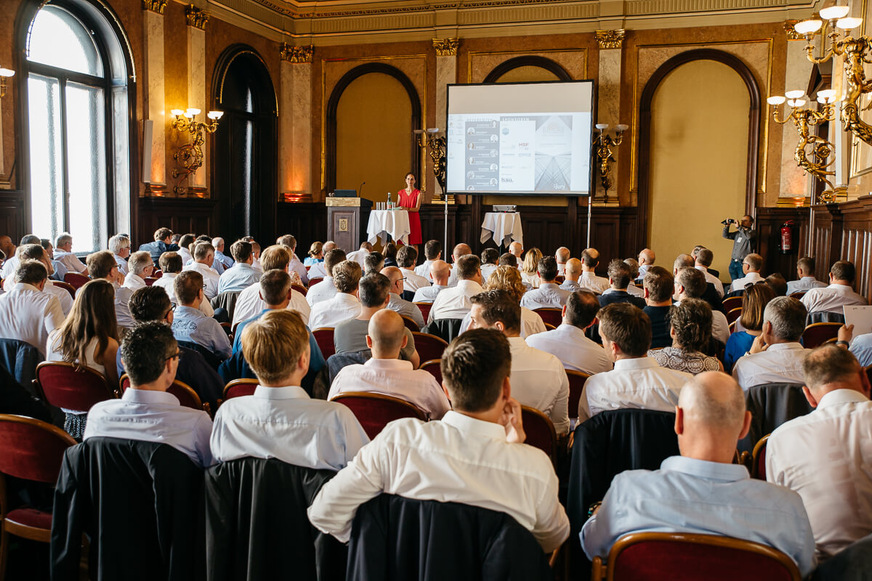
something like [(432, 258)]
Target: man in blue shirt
[(189, 322), (702, 491), (241, 275)]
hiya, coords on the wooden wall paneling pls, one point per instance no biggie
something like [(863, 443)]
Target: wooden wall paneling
[(769, 222), (632, 239), (179, 214), (433, 226), (822, 238), (13, 220), (856, 243), (307, 222)]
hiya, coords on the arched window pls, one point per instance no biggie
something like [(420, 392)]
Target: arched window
[(77, 110)]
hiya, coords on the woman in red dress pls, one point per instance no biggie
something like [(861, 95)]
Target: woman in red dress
[(410, 199)]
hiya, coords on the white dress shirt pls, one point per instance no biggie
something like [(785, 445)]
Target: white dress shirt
[(249, 304), (186, 256), (826, 456), (570, 285), (428, 294), (592, 282), (323, 291), (634, 383), (70, 261), (210, 278), (61, 294), (358, 256), (780, 363), (406, 308), (133, 282), (531, 323), (122, 310), (153, 416), (748, 279), (539, 381), (720, 327), (29, 314), (317, 270), (122, 264), (284, 423), (548, 296), (454, 303), (423, 269), (487, 270), (459, 459), (238, 277), (575, 351), (805, 283), (413, 282), (709, 277), (167, 282), (831, 299), (330, 312), (8, 270), (396, 378)]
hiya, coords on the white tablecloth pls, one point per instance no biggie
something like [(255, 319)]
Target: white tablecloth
[(504, 227), (392, 222)]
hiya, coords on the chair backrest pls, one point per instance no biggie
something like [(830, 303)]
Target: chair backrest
[(212, 359), (550, 316), (183, 392), (772, 404), (758, 464), (149, 280), (445, 329), (734, 314), (314, 281), (425, 309), (819, 333), (576, 388), (798, 294), (434, 368), (324, 339), (66, 286), (410, 324), (540, 431), (300, 289), (686, 557), (240, 387), (32, 449), (733, 302), (71, 387), (824, 317), (20, 359), (227, 301), (429, 346), (75, 279), (549, 326), (374, 411)]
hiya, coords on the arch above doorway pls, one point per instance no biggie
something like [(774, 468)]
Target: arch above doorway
[(527, 61)]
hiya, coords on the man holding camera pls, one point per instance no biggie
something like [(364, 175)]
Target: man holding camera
[(743, 242)]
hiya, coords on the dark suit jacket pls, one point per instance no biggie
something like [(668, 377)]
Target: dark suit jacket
[(621, 297)]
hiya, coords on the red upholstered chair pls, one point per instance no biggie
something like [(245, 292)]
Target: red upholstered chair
[(149, 280), (75, 279), (549, 327), (434, 368), (299, 288), (31, 450), (66, 286), (691, 557), (374, 411), (540, 431), (240, 387), (429, 346), (324, 339), (550, 316), (731, 303), (157, 273), (67, 386), (184, 392), (314, 281), (819, 333), (576, 388), (410, 324), (425, 309), (734, 314), (758, 464)]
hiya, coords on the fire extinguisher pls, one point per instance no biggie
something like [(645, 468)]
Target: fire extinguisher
[(787, 237)]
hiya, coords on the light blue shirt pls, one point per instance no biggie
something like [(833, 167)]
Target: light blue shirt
[(547, 296), (221, 262), (861, 347), (238, 278), (192, 325), (695, 496)]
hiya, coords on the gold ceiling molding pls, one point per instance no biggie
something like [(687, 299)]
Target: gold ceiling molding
[(156, 6), (196, 17), (446, 46), (792, 34), (297, 54), (610, 38)]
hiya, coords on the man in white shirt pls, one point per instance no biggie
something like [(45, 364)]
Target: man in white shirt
[(561, 255), (26, 312), (454, 303), (589, 279), (249, 303), (439, 273), (241, 275), (776, 355), (489, 262), (549, 295), (184, 250), (397, 302), (432, 251), (359, 255), (637, 381), (805, 275), (704, 260), (469, 457), (538, 378), (204, 255), (326, 290), (752, 264), (343, 306), (119, 246), (64, 254), (825, 456), (171, 265), (516, 249), (140, 266), (568, 342), (387, 374), (406, 258), (37, 252), (460, 250), (280, 420), (571, 275), (102, 265), (646, 261), (295, 266), (690, 283), (838, 294)]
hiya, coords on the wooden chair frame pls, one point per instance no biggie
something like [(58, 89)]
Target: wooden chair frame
[(550, 424), (177, 385), (759, 450), (814, 326), (570, 373)]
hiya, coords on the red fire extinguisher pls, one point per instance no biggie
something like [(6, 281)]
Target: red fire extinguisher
[(787, 237)]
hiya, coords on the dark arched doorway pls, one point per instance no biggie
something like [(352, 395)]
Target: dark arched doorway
[(527, 61)]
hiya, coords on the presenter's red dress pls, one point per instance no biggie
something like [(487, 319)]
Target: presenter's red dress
[(410, 201)]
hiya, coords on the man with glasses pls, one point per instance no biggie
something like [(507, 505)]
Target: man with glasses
[(397, 302), (751, 267)]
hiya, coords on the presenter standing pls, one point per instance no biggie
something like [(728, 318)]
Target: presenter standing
[(410, 199)]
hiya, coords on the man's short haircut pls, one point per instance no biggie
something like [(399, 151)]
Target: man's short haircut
[(202, 250), (562, 254), (274, 286), (29, 239), (682, 261), (63, 239), (490, 256), (118, 243), (275, 256), (432, 249), (626, 326), (691, 321), (619, 273), (700, 404), (332, 258), (754, 301), (203, 238), (474, 368), (100, 264), (139, 261), (467, 265), (843, 270), (777, 283), (705, 257), (46, 243), (170, 262), (145, 350), (508, 259), (806, 263), (581, 308), (31, 272), (693, 281), (829, 364), (187, 285), (287, 240), (30, 251), (346, 276), (149, 303), (754, 262), (787, 316), (590, 257), (374, 262), (375, 289), (162, 233), (273, 344), (633, 265), (240, 250), (407, 256), (390, 251), (186, 241), (660, 284), (499, 305), (547, 268)]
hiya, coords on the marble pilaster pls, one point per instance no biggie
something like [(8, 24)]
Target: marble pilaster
[(446, 74), (609, 95), (196, 39), (295, 127)]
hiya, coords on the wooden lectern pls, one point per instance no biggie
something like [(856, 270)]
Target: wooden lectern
[(346, 221)]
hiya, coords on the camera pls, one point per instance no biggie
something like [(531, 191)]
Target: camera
[(728, 221)]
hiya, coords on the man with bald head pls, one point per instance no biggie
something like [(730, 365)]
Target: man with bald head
[(589, 279), (397, 302), (562, 257), (571, 275), (461, 249), (386, 374), (439, 273), (516, 249), (646, 261), (702, 491)]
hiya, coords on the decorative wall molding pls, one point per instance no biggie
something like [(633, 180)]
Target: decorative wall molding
[(297, 54), (446, 46), (157, 6), (196, 17), (610, 38)]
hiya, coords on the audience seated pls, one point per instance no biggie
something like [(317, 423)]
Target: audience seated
[(140, 266), (825, 456), (530, 267), (838, 294), (619, 280), (119, 246), (345, 305), (204, 255), (571, 274), (470, 457), (777, 283), (634, 290), (538, 378), (754, 301), (439, 274), (690, 324), (325, 290), (709, 294), (454, 303), (561, 255), (461, 249), (171, 265), (548, 295), (776, 355), (751, 266), (704, 260), (508, 259), (162, 243), (516, 249), (221, 261), (386, 374), (432, 251), (249, 303), (646, 261), (702, 491), (397, 302), (186, 243), (60, 269), (294, 266), (508, 278), (805, 277), (27, 313), (360, 255), (101, 265), (390, 252), (317, 270), (690, 283), (190, 324), (637, 380), (374, 262), (489, 259), (64, 254), (10, 261), (241, 274), (589, 279), (37, 252), (407, 256), (659, 285)]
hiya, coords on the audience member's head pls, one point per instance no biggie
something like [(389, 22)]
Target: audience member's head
[(547, 269), (711, 417), (32, 272), (316, 250), (659, 284), (754, 302), (468, 267), (496, 309), (842, 272), (461, 249), (573, 269), (46, 243), (777, 283), (328, 246), (275, 256), (64, 242), (490, 256), (508, 259), (100, 265), (589, 259), (241, 251), (170, 262), (531, 260), (386, 334), (150, 303), (189, 287), (805, 266), (754, 262), (507, 278), (346, 276), (705, 257), (625, 330), (390, 252), (561, 255), (830, 367), (140, 264), (275, 287), (633, 265), (783, 320), (691, 282), (375, 291), (288, 241), (581, 309), (276, 347), (332, 258), (35, 252), (475, 369), (186, 241), (119, 245), (151, 355), (646, 256), (395, 275), (407, 256), (682, 261), (160, 235), (516, 249), (6, 245), (204, 253), (433, 250), (691, 324), (619, 274), (218, 244), (440, 272), (374, 262)]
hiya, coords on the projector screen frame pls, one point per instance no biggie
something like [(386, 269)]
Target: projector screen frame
[(592, 165)]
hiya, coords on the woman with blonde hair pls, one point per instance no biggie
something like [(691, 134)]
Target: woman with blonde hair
[(530, 266), (316, 254), (508, 278)]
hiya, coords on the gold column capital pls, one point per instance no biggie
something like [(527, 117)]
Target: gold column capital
[(196, 17), (297, 54), (446, 46), (792, 34), (156, 6), (610, 38)]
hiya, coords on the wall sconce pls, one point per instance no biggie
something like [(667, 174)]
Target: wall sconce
[(435, 145), (810, 145), (4, 74), (190, 156), (603, 144)]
